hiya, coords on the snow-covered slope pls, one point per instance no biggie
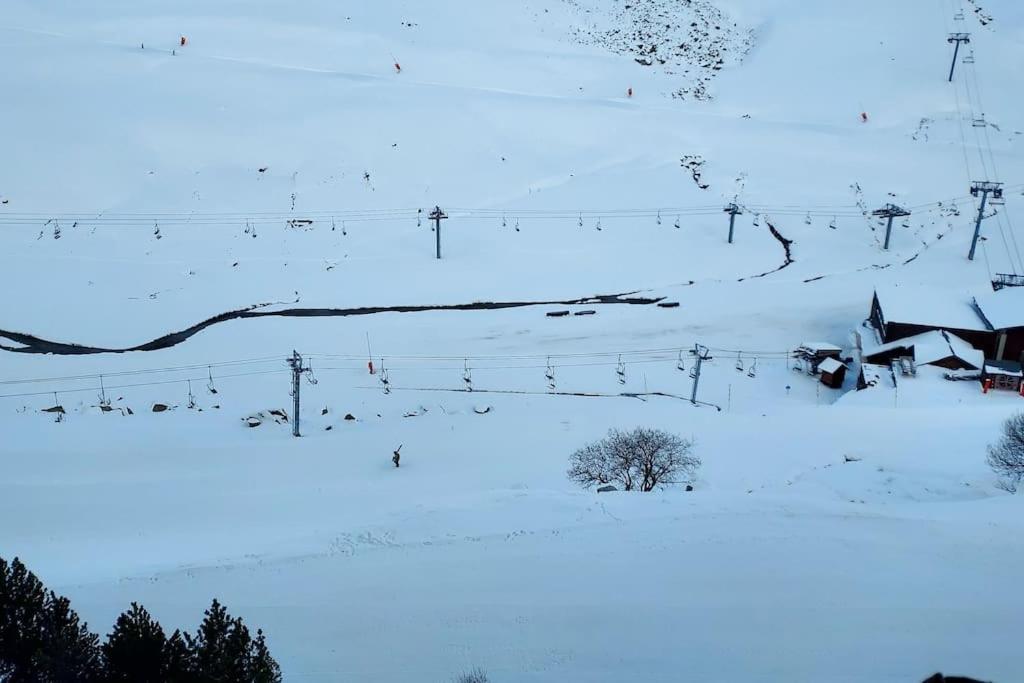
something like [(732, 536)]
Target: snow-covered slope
[(280, 162)]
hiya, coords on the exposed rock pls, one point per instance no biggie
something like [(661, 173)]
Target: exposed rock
[(350, 417), (689, 40), (607, 488), (253, 421), (160, 407)]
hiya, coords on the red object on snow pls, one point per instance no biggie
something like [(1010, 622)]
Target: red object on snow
[(987, 385), (370, 365), (863, 117)]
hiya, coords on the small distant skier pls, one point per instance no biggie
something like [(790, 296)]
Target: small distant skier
[(863, 117), (396, 457), (183, 41), (629, 92), (398, 68)]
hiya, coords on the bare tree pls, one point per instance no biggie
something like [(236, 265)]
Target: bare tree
[(1006, 456), (642, 459)]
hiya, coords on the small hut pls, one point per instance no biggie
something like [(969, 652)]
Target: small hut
[(811, 354), (833, 373), (1002, 374)]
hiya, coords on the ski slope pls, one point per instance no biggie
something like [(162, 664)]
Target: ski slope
[(134, 207)]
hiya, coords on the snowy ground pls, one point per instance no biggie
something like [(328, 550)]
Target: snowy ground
[(786, 563)]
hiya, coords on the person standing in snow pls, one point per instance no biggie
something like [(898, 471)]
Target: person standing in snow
[(396, 457)]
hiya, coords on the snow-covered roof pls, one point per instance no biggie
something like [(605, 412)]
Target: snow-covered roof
[(821, 347), (929, 347), (876, 374), (932, 306), (1003, 368), (830, 365), (1003, 309)]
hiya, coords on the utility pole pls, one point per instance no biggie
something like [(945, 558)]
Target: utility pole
[(437, 215), (298, 369), (733, 210), (701, 353), (984, 188), (956, 38), (889, 211)]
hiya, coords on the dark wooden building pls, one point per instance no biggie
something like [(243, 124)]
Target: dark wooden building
[(1003, 312), (940, 348), (833, 373), (992, 322), (1005, 375), (901, 312)]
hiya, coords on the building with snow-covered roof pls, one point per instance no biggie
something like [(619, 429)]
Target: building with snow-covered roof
[(812, 353), (901, 312), (833, 373), (938, 347), (1003, 312), (1002, 374), (872, 375)]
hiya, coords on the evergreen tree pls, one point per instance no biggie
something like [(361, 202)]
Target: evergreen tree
[(22, 602), (41, 639), (69, 652), (209, 648), (135, 649), (236, 652), (223, 651), (264, 667), (178, 664)]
